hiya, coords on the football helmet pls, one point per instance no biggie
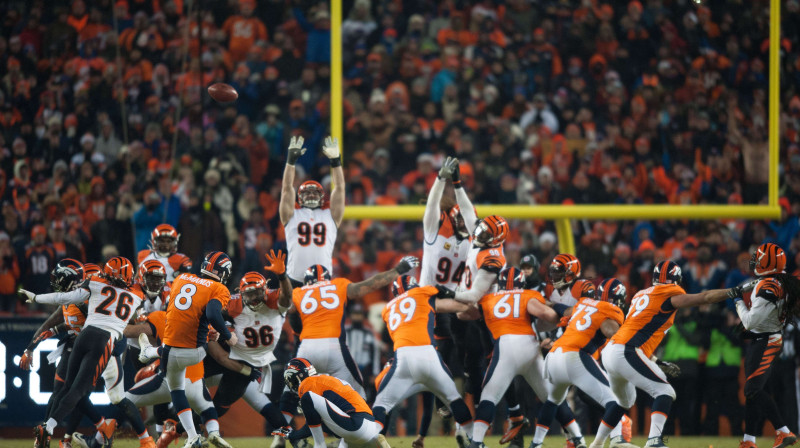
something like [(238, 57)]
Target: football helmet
[(613, 291), (768, 259), (310, 194), (120, 269), (403, 284), (67, 275), (510, 278), (297, 370), (583, 289), (253, 288), (152, 277), (457, 221), (217, 266), (491, 231), (316, 273), (164, 240), (564, 270), (91, 269), (667, 272)]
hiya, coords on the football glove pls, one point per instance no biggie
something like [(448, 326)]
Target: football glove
[(564, 321), (408, 263), (295, 149), (449, 169), (29, 296), (26, 360), (669, 368), (445, 292), (737, 291), (331, 148), (277, 263)]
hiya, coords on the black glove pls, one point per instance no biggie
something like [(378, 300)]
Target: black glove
[(408, 263), (295, 150), (445, 292), (736, 291), (669, 368), (253, 373)]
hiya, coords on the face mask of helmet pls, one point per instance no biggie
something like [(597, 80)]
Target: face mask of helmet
[(311, 198), (254, 298), (557, 275), (154, 283), (164, 246), (481, 237)]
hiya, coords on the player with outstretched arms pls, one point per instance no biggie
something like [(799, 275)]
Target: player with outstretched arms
[(311, 224)]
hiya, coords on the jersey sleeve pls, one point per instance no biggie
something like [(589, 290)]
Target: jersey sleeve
[(297, 296), (158, 319), (769, 290), (488, 261), (180, 263), (142, 255), (222, 294), (341, 287), (615, 313), (534, 295), (234, 307)]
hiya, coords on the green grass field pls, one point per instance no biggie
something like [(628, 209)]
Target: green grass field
[(430, 442)]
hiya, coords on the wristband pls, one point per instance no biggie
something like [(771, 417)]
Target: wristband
[(282, 277), (560, 309), (246, 370), (457, 184), (336, 161)]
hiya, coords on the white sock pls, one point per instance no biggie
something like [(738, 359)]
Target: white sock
[(288, 417), (99, 437), (468, 428), (212, 426), (159, 428), (51, 425), (617, 431), (657, 420), (319, 436), (540, 434), (188, 424), (479, 430), (142, 436), (574, 429), (749, 438), (784, 429), (603, 431)]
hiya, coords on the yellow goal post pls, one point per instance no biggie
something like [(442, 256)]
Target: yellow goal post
[(563, 214)]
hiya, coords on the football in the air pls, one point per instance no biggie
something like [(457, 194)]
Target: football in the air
[(222, 92)]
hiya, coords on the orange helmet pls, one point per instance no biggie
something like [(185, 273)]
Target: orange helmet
[(152, 277), (91, 269), (310, 194), (457, 221), (583, 289), (253, 288), (164, 240), (564, 270), (768, 259), (119, 268), (491, 231)]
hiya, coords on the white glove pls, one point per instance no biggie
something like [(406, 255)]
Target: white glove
[(233, 340), (29, 296), (331, 148)]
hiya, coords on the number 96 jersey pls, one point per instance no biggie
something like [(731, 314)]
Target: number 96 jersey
[(258, 331), (310, 235), (409, 317), (187, 325), (321, 308)]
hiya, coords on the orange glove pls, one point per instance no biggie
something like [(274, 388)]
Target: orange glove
[(564, 321), (277, 263), (25, 361)]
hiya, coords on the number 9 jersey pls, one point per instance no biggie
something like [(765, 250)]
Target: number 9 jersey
[(310, 235), (187, 325)]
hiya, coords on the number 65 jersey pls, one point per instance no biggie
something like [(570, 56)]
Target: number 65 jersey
[(257, 330), (321, 308), (310, 235)]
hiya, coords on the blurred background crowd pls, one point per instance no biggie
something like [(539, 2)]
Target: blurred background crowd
[(106, 131)]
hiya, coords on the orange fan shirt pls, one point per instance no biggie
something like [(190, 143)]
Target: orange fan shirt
[(242, 33), (650, 316), (187, 325), (158, 321), (321, 308), (335, 390), (506, 312), (410, 317), (583, 331)]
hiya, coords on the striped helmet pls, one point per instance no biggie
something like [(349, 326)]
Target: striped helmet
[(253, 288), (119, 268), (91, 269), (564, 270), (67, 274), (310, 194), (613, 291), (316, 273), (403, 284), (583, 289), (491, 231), (510, 278), (217, 266), (152, 277), (768, 259), (164, 240), (297, 370), (667, 272)]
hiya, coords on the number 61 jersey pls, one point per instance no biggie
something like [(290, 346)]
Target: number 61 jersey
[(310, 235), (257, 330)]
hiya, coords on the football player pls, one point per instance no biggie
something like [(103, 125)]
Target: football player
[(311, 223), (771, 303), (112, 300), (409, 319), (329, 401), (164, 249), (595, 317), (427, 405), (564, 271), (627, 355)]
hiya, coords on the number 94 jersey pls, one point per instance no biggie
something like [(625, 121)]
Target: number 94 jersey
[(583, 331), (258, 331), (443, 258), (321, 308), (310, 235), (187, 325), (410, 317)]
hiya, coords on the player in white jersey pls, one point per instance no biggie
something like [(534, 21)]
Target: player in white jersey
[(563, 271), (164, 249), (112, 302), (151, 278), (310, 222)]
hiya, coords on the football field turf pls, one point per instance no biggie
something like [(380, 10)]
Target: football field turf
[(430, 442)]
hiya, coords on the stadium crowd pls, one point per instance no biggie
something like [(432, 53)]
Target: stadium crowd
[(106, 131)]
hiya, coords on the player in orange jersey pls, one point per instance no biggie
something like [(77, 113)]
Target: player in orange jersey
[(194, 303), (627, 355), (164, 248), (409, 318), (594, 318), (772, 305), (427, 405), (329, 401)]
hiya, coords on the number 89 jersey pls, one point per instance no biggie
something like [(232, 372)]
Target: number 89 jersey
[(321, 308), (583, 331), (258, 331), (506, 312), (110, 307), (187, 325), (409, 317), (310, 235)]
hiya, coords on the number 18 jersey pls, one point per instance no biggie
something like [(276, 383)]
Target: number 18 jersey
[(321, 308), (187, 325), (310, 235), (506, 312)]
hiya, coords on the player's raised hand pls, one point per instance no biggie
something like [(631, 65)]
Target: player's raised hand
[(449, 169), (29, 296), (26, 360), (277, 262), (408, 263), (331, 148), (295, 149)]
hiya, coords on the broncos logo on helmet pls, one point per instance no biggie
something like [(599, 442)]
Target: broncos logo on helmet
[(491, 231), (403, 284), (217, 266), (510, 278), (667, 272), (564, 270), (67, 275), (297, 370), (613, 291), (768, 259), (316, 273), (310, 194)]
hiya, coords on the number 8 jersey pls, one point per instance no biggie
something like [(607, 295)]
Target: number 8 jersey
[(310, 235), (187, 325)]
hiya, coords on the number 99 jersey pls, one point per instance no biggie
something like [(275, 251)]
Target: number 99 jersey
[(409, 317), (321, 308), (310, 235), (258, 331), (187, 325)]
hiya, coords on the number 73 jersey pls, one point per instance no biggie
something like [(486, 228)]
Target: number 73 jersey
[(321, 308), (583, 331), (258, 331), (506, 312)]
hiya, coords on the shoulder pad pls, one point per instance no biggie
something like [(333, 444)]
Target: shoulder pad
[(769, 289)]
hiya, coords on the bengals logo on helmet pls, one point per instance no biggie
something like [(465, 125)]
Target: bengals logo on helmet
[(119, 268), (768, 259), (152, 277), (583, 289), (491, 231), (564, 270)]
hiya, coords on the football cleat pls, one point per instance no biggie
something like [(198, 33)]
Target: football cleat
[(535, 445), (81, 441), (475, 444), (282, 432), (578, 442), (194, 442), (744, 444), (514, 428), (147, 371), (107, 428), (419, 442), (65, 443), (42, 438), (444, 412), (278, 442), (656, 442), (461, 438), (169, 434), (147, 442), (214, 439), (627, 428), (618, 442), (146, 350), (784, 439)]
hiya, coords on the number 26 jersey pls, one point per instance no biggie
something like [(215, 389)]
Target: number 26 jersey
[(187, 325), (310, 235)]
